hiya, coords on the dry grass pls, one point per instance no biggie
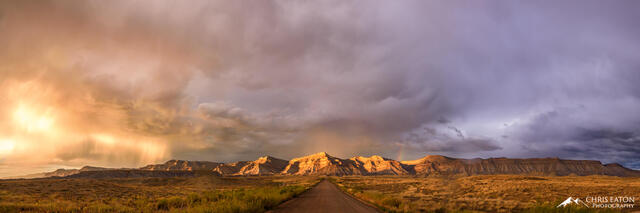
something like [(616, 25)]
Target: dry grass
[(488, 193), (196, 194), (484, 193)]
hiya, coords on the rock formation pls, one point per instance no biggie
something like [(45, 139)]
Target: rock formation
[(376, 165), (325, 164), (266, 165), (182, 165), (441, 165), (322, 164)]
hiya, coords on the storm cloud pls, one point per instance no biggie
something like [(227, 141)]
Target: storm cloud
[(126, 83)]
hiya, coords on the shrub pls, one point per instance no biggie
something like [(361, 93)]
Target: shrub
[(177, 202), (392, 202), (163, 204), (193, 199)]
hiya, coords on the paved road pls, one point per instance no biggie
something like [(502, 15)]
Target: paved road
[(325, 197)]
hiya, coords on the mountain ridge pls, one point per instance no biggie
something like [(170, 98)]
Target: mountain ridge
[(324, 164)]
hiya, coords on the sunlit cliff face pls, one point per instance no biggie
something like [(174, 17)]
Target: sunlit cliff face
[(128, 83)]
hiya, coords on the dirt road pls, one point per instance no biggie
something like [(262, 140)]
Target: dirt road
[(325, 197)]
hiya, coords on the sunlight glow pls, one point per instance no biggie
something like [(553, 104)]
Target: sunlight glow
[(105, 139), (33, 120), (6, 146), (149, 150)]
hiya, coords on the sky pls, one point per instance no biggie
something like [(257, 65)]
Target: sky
[(130, 83)]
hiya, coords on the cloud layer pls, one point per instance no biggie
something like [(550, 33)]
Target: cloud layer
[(123, 83)]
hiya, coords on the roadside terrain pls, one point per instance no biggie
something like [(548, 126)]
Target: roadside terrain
[(485, 193), (284, 193), (201, 193)]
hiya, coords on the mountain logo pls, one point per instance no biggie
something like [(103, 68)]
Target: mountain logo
[(571, 200)]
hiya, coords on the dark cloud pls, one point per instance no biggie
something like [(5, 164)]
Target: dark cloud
[(446, 139), (228, 80), (609, 134)]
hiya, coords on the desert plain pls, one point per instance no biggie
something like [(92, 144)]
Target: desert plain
[(212, 193)]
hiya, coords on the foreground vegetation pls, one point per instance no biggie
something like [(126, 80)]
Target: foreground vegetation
[(200, 194), (486, 193)]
